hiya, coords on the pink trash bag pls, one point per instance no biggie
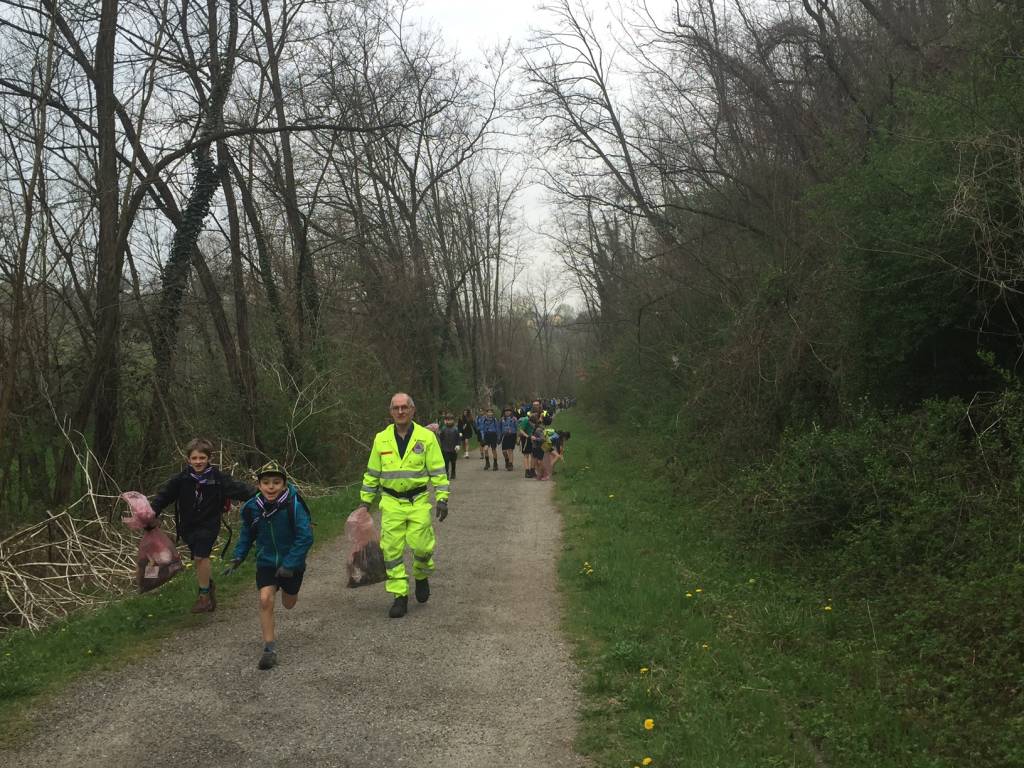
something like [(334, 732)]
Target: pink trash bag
[(158, 560), (364, 560)]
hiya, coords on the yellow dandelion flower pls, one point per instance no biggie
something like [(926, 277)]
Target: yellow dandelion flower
[(689, 594), (698, 590), (646, 761), (644, 670), (648, 724), (611, 495), (705, 646), (827, 608)]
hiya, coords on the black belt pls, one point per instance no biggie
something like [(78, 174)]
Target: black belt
[(407, 495)]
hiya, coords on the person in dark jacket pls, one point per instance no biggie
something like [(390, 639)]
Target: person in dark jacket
[(449, 438), (200, 493), (277, 522)]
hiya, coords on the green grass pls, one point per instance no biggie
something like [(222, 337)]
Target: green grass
[(738, 666), (35, 665)]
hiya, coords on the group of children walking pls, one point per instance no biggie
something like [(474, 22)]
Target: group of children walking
[(540, 445)]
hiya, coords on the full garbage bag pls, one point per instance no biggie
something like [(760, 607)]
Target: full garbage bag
[(158, 560), (364, 560)]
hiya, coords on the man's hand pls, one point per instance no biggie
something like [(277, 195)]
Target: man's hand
[(284, 573), (442, 511), (231, 568)]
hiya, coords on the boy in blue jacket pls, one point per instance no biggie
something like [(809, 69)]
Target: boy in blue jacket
[(277, 521)]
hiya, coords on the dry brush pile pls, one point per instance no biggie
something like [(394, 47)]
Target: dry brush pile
[(72, 559)]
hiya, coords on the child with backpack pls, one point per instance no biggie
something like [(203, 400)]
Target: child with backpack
[(201, 493), (277, 522)]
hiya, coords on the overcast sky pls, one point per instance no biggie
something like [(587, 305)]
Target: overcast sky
[(471, 24)]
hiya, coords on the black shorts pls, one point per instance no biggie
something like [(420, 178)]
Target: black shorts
[(524, 443), (266, 576), (538, 453), (491, 440), (508, 442), (200, 541)]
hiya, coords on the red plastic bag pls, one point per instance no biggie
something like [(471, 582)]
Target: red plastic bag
[(140, 513), (158, 560), (364, 560)]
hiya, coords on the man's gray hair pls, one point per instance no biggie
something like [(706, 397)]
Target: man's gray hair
[(402, 394)]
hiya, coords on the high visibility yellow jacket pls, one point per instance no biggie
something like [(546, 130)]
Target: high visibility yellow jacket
[(406, 475)]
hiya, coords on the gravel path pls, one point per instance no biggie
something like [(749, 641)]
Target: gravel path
[(479, 677)]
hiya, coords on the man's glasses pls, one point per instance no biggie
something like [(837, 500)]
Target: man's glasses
[(400, 407)]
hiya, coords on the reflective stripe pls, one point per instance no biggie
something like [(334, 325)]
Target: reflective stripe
[(441, 487), (373, 472), (424, 558), (389, 564), (369, 489), (437, 472), (403, 474)]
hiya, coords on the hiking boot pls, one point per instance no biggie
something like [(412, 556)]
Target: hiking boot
[(204, 604), (399, 607), (267, 660), (422, 590)]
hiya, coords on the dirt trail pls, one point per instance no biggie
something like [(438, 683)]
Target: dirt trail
[(479, 677)]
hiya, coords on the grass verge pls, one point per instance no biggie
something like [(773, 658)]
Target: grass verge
[(35, 665), (694, 653)]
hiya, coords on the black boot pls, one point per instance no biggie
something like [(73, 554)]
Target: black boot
[(267, 660), (422, 590), (487, 462), (399, 607)]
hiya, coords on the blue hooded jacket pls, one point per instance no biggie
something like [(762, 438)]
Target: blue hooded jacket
[(269, 526)]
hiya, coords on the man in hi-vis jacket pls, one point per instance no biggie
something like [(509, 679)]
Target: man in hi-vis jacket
[(404, 461)]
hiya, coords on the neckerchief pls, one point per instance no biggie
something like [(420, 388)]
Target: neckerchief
[(269, 508), (202, 478)]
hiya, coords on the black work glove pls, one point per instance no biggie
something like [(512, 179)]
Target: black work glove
[(442, 511), (231, 568), (284, 573)]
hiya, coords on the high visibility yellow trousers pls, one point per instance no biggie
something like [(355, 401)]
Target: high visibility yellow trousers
[(404, 522)]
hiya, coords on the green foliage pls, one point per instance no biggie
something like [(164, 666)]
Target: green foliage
[(737, 663)]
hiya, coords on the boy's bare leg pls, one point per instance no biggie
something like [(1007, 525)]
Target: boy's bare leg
[(267, 612), (203, 570)]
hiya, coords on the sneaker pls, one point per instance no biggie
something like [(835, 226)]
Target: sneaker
[(267, 660), (203, 604), (422, 590), (399, 607)]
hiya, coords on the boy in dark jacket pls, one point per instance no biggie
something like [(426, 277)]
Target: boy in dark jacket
[(277, 521), (200, 493)]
